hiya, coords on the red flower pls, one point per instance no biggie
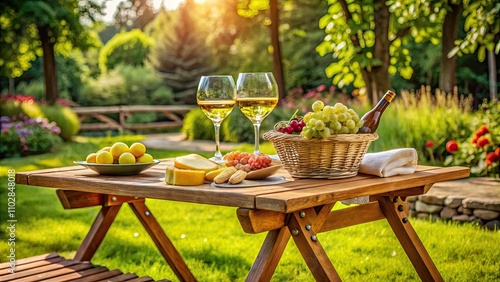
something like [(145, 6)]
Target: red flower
[(474, 139), (451, 146), (482, 141), (492, 157), (429, 144), (497, 151), (482, 131)]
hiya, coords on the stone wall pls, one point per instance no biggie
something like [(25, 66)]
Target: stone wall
[(469, 200)]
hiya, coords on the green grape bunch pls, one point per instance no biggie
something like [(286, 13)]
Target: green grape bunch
[(327, 120)]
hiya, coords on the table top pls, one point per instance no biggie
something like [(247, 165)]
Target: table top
[(290, 196)]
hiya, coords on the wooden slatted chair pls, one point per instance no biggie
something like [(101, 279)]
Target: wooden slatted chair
[(53, 267)]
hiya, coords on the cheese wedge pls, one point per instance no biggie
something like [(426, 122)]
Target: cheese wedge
[(195, 162), (184, 177)]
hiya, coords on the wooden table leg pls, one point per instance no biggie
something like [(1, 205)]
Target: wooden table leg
[(393, 210), (269, 255), (97, 232), (161, 240), (303, 226)]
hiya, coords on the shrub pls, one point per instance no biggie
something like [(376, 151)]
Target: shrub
[(129, 48), (22, 136), (15, 104), (65, 118), (297, 100), (35, 88), (126, 85), (196, 125), (235, 128), (481, 150)]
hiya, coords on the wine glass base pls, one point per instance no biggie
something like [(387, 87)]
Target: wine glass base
[(218, 160)]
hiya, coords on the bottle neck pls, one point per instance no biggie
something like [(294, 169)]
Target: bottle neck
[(382, 104)]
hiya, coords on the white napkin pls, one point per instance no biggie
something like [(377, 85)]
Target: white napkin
[(385, 164), (389, 163)]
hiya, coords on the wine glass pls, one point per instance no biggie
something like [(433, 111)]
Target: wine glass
[(256, 96), (216, 97)]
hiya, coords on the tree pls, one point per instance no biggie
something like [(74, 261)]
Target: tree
[(133, 14), (482, 25), (361, 45), (358, 39), (53, 24), (180, 55), (304, 67), (447, 76), (250, 8)]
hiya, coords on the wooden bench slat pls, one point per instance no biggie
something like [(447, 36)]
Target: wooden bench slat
[(39, 270), (35, 264), (63, 271), (6, 265), (142, 279), (84, 274), (54, 268), (122, 277)]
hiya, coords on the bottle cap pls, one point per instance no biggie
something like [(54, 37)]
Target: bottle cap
[(389, 96)]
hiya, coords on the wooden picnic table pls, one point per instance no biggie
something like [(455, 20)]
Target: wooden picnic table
[(298, 208)]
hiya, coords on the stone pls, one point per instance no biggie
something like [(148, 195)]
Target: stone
[(448, 213), (474, 219), (411, 205), (486, 214), (428, 208), (487, 204), (453, 201), (413, 213), (493, 225), (412, 198), (461, 217), (463, 210), (423, 215), (431, 199)]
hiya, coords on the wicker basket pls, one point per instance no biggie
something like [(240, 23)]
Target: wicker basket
[(338, 156)]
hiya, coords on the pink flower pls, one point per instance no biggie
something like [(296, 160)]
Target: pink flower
[(321, 88), (310, 94)]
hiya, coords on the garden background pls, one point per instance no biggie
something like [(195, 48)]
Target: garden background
[(440, 58)]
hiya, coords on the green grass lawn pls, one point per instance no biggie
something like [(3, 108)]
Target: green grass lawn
[(214, 245)]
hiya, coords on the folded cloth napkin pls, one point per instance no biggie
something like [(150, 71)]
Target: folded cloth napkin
[(389, 163), (385, 164)]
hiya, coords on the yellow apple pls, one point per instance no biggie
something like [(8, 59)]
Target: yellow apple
[(126, 158), (146, 158)]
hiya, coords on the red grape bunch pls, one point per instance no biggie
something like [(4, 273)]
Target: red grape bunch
[(294, 125)]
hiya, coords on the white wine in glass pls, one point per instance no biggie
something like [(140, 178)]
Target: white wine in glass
[(257, 96), (216, 97)]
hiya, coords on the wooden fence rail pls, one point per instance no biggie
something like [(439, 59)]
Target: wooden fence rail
[(173, 113)]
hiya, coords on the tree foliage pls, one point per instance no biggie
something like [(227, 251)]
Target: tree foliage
[(352, 39), (132, 14), (36, 28), (304, 67), (131, 48), (181, 55), (482, 24)]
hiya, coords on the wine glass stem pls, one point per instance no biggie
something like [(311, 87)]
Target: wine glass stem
[(256, 127), (218, 154)]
